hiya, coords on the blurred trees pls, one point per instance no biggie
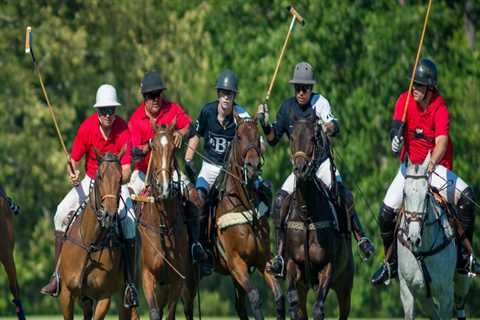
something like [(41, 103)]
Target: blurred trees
[(362, 52)]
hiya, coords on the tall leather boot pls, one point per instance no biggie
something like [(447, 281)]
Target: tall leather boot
[(276, 265), (198, 230), (388, 269), (130, 297), (192, 219), (466, 216), (53, 286)]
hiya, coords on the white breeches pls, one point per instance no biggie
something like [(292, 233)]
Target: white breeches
[(323, 173), (449, 185), (137, 181), (78, 194), (207, 176)]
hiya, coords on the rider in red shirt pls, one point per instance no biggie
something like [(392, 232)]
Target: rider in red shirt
[(163, 112), (425, 131)]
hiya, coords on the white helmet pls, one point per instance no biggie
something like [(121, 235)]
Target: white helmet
[(106, 97)]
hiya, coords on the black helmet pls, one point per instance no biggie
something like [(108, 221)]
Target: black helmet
[(152, 82), (426, 73), (303, 74), (227, 80)]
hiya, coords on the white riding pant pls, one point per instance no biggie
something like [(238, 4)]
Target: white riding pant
[(78, 194), (449, 185), (207, 176), (323, 173), (137, 181)]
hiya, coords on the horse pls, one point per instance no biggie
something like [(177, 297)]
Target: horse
[(426, 249), (90, 263), (7, 244), (317, 254), (163, 233), (239, 233)]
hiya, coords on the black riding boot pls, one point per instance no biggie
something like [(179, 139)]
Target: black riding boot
[(389, 269), (130, 297), (276, 266), (192, 219), (199, 198), (366, 246), (466, 216), (53, 286)]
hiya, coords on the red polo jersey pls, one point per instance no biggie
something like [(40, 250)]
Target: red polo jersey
[(89, 136), (422, 127), (141, 130)]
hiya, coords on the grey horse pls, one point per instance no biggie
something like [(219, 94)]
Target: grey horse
[(426, 249)]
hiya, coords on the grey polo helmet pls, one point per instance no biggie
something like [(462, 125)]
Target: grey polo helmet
[(303, 74)]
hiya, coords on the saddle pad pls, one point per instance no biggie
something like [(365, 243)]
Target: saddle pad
[(297, 225), (234, 218)]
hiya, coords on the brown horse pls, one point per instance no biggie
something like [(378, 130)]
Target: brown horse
[(7, 243), (163, 232), (317, 254), (241, 235), (90, 261)]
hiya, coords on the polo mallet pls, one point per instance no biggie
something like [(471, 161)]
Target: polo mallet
[(295, 17), (29, 49), (412, 78)]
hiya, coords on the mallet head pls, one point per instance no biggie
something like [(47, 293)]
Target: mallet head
[(297, 16)]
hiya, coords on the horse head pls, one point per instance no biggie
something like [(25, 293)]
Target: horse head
[(415, 199), (302, 146), (107, 186), (163, 158), (246, 149)]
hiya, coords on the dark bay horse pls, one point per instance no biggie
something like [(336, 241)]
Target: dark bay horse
[(7, 243), (241, 234), (317, 254), (165, 253), (90, 262)]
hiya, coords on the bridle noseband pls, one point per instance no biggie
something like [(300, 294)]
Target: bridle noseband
[(102, 215)]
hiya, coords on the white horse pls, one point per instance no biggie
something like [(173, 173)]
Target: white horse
[(426, 249)]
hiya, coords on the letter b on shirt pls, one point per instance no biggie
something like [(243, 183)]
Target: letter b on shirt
[(219, 144)]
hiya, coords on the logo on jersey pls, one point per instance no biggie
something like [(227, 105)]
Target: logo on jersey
[(219, 144)]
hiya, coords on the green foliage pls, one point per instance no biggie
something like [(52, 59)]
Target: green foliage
[(362, 52)]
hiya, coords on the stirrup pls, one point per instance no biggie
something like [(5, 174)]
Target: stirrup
[(56, 277), (389, 274), (365, 256), (130, 296), (471, 262), (274, 262)]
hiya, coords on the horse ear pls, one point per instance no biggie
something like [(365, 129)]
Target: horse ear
[(98, 155), (173, 124), (237, 117), (122, 152)]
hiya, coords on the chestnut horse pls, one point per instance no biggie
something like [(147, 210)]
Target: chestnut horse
[(163, 233), (90, 263), (317, 254), (7, 243), (241, 234)]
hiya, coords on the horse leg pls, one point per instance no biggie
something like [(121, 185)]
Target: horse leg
[(189, 290), (277, 293), (149, 286), (239, 271), (324, 281), (66, 303), (462, 287), (240, 305), (344, 298), (292, 293), (101, 309), (87, 308), (173, 296), (408, 301)]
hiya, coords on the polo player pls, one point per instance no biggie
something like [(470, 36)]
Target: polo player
[(308, 105)]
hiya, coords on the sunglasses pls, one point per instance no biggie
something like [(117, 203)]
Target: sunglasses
[(225, 93), (303, 87), (152, 95), (106, 111)]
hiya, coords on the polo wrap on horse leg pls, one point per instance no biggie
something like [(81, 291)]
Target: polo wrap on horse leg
[(255, 301), (366, 246), (19, 309), (53, 286), (130, 298)]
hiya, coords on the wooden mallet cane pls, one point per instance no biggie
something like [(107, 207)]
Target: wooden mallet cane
[(295, 17), (29, 49), (412, 78)]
